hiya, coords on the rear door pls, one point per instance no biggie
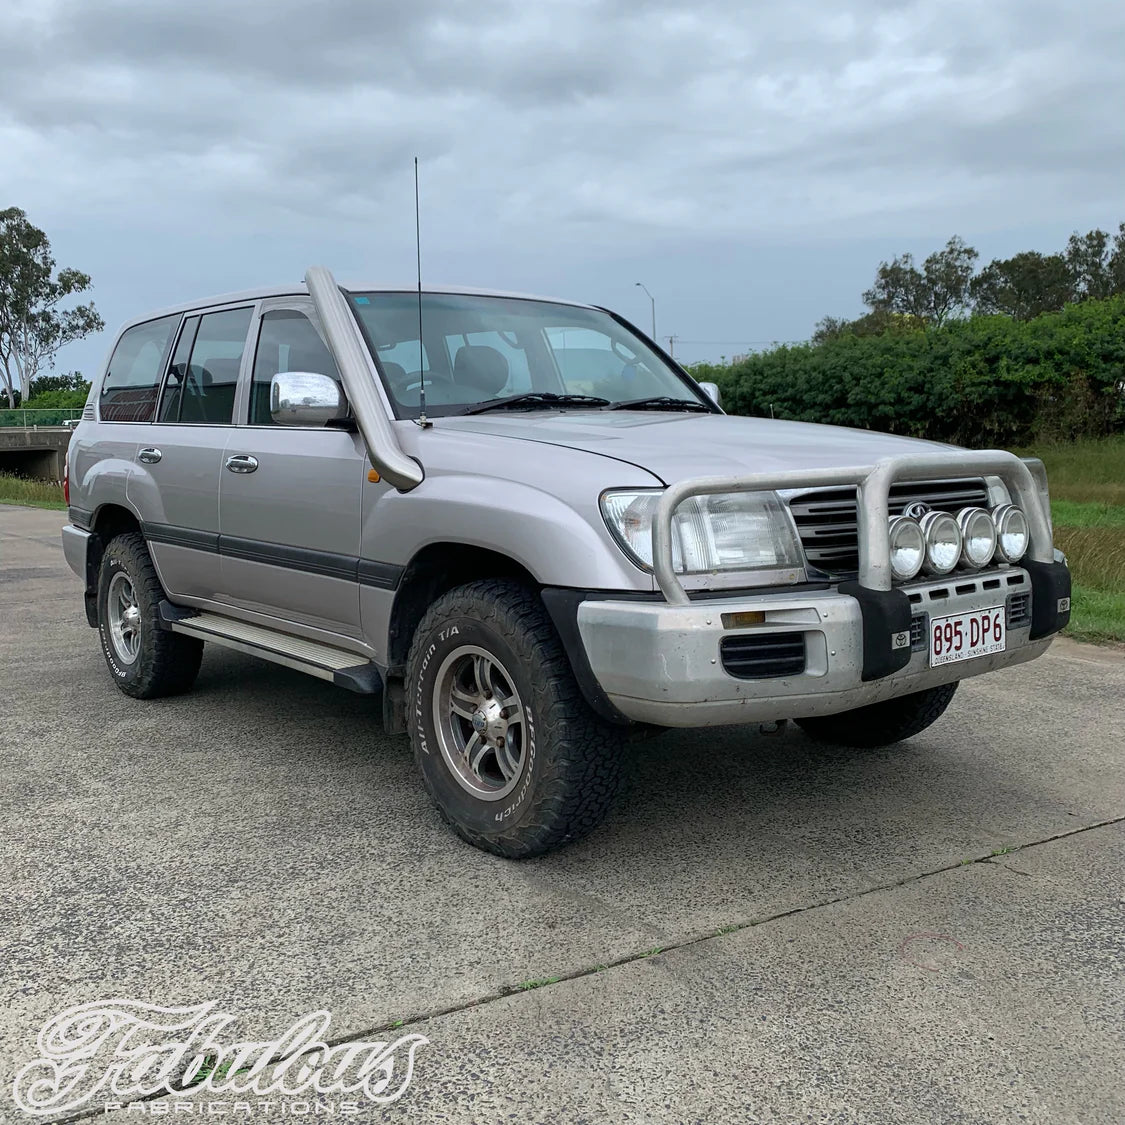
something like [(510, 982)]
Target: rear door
[(290, 496), (126, 406), (175, 482)]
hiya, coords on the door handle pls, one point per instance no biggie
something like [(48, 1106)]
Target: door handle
[(242, 463), (150, 455)]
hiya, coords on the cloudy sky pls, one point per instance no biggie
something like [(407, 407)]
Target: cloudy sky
[(750, 162)]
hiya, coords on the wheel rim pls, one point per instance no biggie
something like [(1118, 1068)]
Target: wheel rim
[(480, 723), (124, 617)]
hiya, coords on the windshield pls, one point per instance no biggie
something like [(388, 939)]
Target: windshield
[(478, 349)]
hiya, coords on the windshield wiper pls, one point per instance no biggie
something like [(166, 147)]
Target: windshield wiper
[(536, 398), (662, 402)]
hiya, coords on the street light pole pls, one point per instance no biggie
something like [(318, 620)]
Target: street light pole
[(652, 301)]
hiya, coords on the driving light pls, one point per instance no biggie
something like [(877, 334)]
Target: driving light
[(725, 532), (1012, 533), (943, 542), (908, 547), (978, 536)]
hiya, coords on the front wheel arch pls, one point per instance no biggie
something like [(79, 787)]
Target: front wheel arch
[(569, 758)]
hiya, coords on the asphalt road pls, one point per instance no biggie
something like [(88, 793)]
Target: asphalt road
[(928, 933)]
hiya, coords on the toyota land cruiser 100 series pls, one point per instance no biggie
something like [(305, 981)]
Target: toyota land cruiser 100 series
[(529, 529)]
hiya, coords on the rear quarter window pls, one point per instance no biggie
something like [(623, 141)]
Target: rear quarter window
[(132, 379)]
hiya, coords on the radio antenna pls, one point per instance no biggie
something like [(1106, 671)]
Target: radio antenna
[(422, 419)]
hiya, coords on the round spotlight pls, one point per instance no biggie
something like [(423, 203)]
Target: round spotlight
[(943, 542), (908, 547), (1012, 533), (978, 537)]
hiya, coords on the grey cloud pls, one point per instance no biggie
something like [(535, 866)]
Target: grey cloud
[(611, 128)]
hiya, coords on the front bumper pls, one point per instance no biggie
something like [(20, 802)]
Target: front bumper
[(663, 664)]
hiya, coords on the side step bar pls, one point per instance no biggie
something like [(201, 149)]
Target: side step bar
[(337, 665)]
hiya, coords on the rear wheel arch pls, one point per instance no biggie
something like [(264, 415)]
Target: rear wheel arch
[(145, 660), (109, 521), (114, 519)]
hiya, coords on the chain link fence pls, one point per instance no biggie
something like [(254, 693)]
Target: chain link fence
[(47, 417)]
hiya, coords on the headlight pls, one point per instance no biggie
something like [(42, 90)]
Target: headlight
[(729, 531), (908, 547), (1012, 533), (978, 536), (943, 542)]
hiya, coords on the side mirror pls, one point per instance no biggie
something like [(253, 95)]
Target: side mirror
[(305, 398), (711, 390)]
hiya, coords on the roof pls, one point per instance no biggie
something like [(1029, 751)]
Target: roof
[(298, 289)]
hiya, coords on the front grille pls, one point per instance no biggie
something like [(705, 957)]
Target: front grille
[(1019, 610), (763, 656), (826, 519)]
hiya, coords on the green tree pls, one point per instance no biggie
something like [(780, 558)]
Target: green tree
[(933, 293), (71, 381), (1023, 286), (1097, 264), (34, 324), (1088, 257), (1117, 261), (877, 323)]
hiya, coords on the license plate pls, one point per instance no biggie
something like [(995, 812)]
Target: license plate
[(965, 635)]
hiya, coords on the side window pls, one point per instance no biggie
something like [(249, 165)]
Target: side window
[(490, 361), (202, 389), (287, 341), (132, 379)]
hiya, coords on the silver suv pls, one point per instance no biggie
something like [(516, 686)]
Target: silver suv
[(535, 535)]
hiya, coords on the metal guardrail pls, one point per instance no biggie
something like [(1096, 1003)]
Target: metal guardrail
[(1026, 482)]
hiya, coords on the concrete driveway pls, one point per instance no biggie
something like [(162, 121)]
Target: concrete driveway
[(765, 930)]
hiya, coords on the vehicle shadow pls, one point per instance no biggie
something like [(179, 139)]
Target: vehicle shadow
[(713, 827)]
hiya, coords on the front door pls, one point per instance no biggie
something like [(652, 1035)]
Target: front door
[(289, 497)]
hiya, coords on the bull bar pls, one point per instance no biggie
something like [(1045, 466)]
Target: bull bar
[(1025, 479)]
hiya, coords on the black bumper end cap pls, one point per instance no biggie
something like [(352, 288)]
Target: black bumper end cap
[(886, 629), (1050, 597)]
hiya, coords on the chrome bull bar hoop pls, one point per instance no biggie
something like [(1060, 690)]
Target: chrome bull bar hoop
[(873, 485)]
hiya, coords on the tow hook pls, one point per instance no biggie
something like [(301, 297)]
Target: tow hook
[(776, 727)]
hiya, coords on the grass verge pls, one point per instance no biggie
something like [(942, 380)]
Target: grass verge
[(1097, 615), (1090, 471), (32, 493), (1088, 509)]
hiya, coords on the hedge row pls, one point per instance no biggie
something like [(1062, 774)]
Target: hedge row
[(983, 381)]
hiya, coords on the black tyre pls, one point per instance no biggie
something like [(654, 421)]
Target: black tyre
[(510, 752), (145, 660), (881, 724)]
